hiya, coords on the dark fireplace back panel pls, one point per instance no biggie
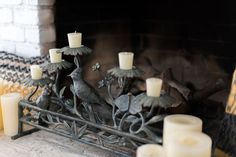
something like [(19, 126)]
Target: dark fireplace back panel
[(207, 28)]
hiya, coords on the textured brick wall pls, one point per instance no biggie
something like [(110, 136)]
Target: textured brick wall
[(27, 26)]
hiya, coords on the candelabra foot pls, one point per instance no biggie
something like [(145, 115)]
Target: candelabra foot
[(24, 133)]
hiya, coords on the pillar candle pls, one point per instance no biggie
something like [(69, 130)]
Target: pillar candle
[(55, 56), (74, 39), (153, 86), (178, 123), (126, 60), (9, 103), (150, 150), (231, 103), (36, 72), (1, 92), (189, 144)]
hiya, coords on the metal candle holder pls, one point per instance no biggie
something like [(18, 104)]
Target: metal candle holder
[(131, 122)]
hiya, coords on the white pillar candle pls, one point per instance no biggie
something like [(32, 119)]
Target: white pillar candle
[(75, 39), (190, 144), (150, 150), (179, 123), (126, 60), (9, 103), (36, 72), (55, 56), (153, 86)]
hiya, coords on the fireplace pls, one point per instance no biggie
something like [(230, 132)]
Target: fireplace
[(180, 40), (197, 44), (194, 39)]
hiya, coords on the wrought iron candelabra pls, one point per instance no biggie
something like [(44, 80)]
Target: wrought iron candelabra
[(119, 123)]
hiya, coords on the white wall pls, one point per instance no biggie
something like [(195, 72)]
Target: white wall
[(27, 26)]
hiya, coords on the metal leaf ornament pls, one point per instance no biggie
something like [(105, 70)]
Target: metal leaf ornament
[(83, 50), (122, 103), (117, 72)]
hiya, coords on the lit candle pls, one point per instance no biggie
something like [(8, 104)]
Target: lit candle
[(9, 103), (150, 150), (126, 60), (153, 86), (55, 56), (36, 72), (74, 39), (190, 144), (179, 123)]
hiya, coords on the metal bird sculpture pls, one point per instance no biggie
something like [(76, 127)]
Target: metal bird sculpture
[(43, 101), (85, 92)]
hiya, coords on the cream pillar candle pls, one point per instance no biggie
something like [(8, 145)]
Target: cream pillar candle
[(178, 123), (150, 150), (126, 60), (189, 144), (55, 56), (153, 86), (74, 39), (9, 103), (1, 92), (36, 72)]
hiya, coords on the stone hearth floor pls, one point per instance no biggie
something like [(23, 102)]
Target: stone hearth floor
[(44, 144)]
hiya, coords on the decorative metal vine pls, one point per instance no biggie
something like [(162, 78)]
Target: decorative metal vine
[(127, 121)]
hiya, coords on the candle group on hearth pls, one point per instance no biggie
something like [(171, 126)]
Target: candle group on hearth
[(9, 104), (182, 137)]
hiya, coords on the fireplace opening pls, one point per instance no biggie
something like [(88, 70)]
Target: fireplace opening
[(193, 39)]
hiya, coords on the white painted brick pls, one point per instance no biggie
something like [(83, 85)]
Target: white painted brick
[(46, 16), (11, 33), (47, 34), (7, 46), (10, 2), (5, 15), (40, 35), (32, 35), (33, 16), (27, 50), (39, 2), (26, 16), (45, 47)]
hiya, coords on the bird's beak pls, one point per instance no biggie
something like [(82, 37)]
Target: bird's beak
[(69, 75)]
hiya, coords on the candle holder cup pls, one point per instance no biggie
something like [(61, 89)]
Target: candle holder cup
[(120, 122)]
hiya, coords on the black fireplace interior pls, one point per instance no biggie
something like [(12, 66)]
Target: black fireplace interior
[(196, 39), (194, 27)]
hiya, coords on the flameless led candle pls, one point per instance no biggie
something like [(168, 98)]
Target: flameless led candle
[(74, 39), (178, 123), (36, 72), (150, 150), (189, 144), (153, 86), (55, 56), (9, 103), (126, 60)]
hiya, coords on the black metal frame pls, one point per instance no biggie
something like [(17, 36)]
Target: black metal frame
[(132, 118)]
